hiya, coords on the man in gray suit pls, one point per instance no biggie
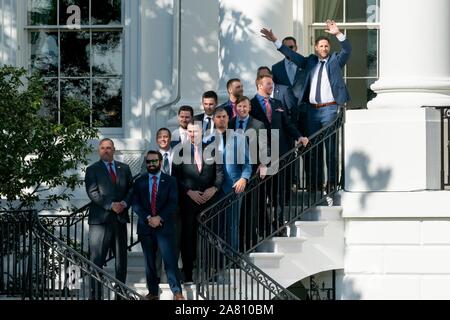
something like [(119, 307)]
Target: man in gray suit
[(109, 186)]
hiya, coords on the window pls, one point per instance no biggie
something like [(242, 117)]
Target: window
[(359, 20), (77, 46)]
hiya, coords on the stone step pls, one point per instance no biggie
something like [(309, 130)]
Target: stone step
[(310, 229), (266, 259), (288, 244)]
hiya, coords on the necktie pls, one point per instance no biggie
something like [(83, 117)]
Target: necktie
[(111, 172), (319, 83), (241, 124), (268, 109), (197, 158), (166, 166), (233, 109), (154, 192), (208, 123)]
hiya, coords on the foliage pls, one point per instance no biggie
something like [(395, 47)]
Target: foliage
[(40, 156)]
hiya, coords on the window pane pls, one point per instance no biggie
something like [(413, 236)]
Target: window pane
[(360, 93), (44, 53), (107, 53), (106, 11), (66, 17), (361, 11), (50, 101), (75, 54), (363, 62), (42, 12), (328, 9), (74, 89), (107, 102)]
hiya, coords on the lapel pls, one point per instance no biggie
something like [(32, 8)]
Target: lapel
[(106, 173), (259, 112)]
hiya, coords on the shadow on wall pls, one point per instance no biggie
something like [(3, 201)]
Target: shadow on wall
[(235, 27), (349, 291), (357, 167)]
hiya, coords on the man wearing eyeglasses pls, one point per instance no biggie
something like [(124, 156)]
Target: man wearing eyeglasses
[(155, 198)]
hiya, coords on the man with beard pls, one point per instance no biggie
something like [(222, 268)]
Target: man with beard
[(185, 116), (109, 186), (155, 198), (235, 89), (209, 103)]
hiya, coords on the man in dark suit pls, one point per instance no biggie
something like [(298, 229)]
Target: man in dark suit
[(155, 198), (325, 90), (199, 180), (271, 113), (209, 103), (109, 186), (235, 89), (286, 73)]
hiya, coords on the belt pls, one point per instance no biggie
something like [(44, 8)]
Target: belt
[(320, 105)]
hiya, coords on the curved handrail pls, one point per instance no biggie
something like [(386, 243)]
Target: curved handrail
[(211, 213)]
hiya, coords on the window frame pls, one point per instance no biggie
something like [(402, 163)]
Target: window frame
[(344, 26), (106, 131)]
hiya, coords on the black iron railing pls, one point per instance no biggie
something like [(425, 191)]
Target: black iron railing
[(35, 264), (264, 210), (73, 229)]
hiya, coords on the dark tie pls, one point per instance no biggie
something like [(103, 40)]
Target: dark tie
[(319, 83), (154, 192), (241, 124), (166, 166), (208, 123), (111, 172)]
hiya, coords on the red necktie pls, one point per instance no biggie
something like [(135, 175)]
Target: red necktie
[(154, 192), (233, 109), (268, 109), (111, 172)]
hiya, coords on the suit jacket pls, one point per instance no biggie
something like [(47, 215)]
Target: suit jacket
[(206, 135), (280, 77), (228, 107), (280, 121), (334, 68), (188, 176), (235, 168), (286, 96), (258, 145), (103, 192), (166, 203)]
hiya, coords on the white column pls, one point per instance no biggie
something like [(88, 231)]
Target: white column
[(414, 54), (397, 224), (242, 50)]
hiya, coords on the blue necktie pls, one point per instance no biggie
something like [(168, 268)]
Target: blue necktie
[(319, 83), (241, 124)]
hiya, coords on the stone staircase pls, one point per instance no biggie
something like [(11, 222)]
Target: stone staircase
[(315, 244)]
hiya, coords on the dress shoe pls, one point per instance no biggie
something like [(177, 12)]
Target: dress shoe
[(179, 296), (151, 297)]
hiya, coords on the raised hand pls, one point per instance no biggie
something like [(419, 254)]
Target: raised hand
[(268, 34), (332, 27)]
